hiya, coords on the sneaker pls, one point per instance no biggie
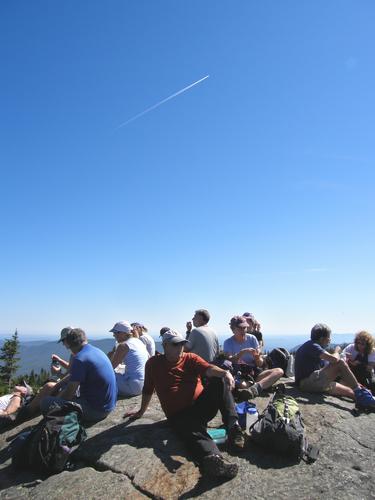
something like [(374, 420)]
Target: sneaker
[(364, 398), (236, 438), (217, 466)]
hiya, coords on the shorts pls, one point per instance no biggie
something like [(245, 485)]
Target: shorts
[(128, 386), (317, 381)]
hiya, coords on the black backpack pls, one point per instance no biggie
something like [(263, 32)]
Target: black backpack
[(280, 429), (278, 358), (47, 447)]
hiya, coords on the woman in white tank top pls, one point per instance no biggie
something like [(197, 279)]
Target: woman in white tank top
[(131, 352)]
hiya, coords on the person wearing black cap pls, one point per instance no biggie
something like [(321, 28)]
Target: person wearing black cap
[(176, 377), (91, 372)]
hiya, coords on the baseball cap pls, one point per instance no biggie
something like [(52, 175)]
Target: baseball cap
[(121, 327), (64, 332), (237, 321), (164, 330), (173, 337)]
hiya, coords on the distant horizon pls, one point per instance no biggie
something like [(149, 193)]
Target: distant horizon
[(156, 337)]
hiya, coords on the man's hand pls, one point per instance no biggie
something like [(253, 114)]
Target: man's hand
[(189, 326), (229, 380), (133, 415), (254, 352)]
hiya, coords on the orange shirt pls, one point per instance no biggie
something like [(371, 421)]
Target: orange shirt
[(177, 384)]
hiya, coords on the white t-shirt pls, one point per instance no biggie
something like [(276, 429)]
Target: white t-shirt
[(4, 401), (350, 349), (149, 342)]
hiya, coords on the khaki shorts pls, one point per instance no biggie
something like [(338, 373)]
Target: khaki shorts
[(317, 381)]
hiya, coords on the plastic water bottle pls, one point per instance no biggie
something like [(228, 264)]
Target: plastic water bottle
[(219, 436), (251, 415)]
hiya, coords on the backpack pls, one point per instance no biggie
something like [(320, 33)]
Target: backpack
[(47, 447), (279, 358), (280, 429)]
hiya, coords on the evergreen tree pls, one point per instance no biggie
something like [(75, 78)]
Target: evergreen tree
[(9, 359)]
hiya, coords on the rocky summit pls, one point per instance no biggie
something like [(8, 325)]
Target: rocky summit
[(143, 459)]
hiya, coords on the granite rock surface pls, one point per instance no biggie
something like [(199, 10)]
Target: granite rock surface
[(143, 459)]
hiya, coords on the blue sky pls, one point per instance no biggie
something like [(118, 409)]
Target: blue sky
[(251, 191)]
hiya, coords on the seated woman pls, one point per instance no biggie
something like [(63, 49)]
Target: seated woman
[(133, 353), (242, 350), (360, 357), (140, 331)]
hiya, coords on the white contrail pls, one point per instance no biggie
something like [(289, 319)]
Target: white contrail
[(162, 102)]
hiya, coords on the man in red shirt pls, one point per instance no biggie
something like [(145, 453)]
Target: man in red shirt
[(176, 377)]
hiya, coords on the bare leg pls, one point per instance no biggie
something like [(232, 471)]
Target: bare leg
[(342, 390), (341, 369), (268, 377), (33, 408)]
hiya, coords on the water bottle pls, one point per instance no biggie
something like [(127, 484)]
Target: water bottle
[(251, 415), (219, 436)]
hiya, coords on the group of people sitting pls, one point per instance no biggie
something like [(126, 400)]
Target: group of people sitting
[(194, 380)]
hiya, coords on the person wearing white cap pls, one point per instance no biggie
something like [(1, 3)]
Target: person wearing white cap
[(133, 353), (177, 378)]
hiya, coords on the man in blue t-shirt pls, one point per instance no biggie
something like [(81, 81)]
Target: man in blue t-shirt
[(91, 372), (312, 374), (243, 348)]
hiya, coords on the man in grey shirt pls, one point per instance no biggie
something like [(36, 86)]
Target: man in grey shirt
[(202, 339)]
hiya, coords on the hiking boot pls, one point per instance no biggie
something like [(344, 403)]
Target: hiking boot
[(364, 398), (217, 466), (246, 394), (236, 438)]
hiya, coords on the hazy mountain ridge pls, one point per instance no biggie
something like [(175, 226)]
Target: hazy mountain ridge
[(36, 354)]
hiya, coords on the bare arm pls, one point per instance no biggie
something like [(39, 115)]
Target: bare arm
[(215, 371), (247, 350), (332, 358), (119, 354)]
